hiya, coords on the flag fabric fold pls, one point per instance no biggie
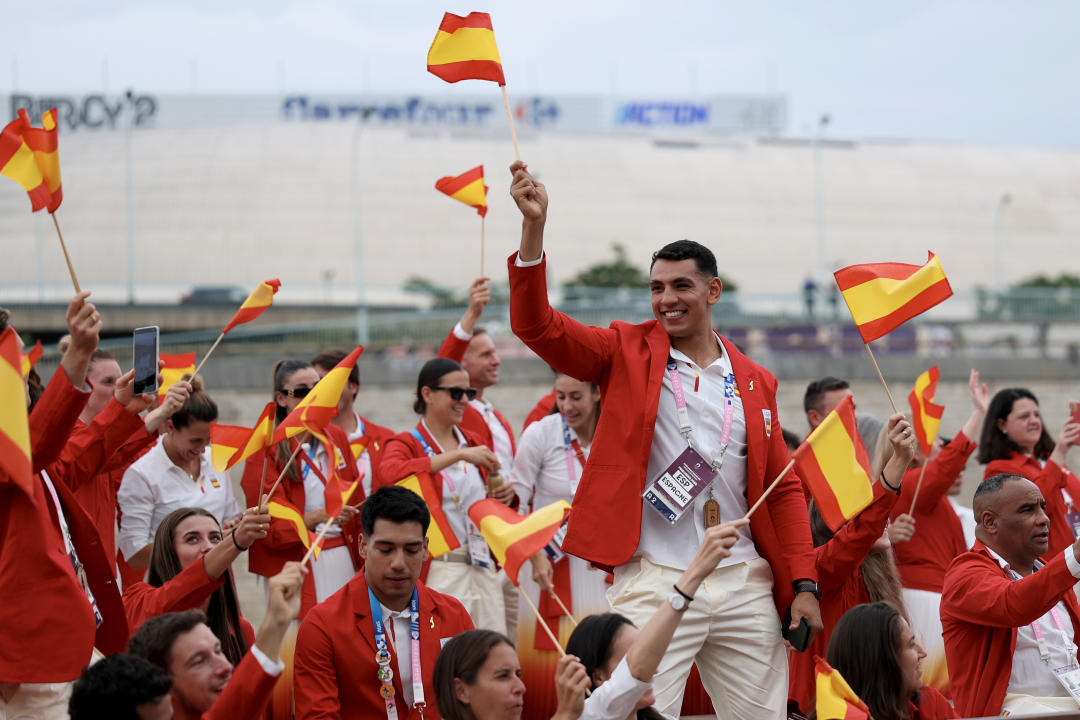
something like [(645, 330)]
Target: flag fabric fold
[(468, 188), (883, 296), (835, 698), (30, 156), (464, 49), (440, 535), (514, 538), (834, 464), (284, 512), (15, 460), (176, 366), (260, 298), (342, 478), (925, 414), (232, 444), (319, 406), (30, 359)]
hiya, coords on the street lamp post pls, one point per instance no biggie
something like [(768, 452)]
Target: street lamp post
[(819, 201), (995, 229)]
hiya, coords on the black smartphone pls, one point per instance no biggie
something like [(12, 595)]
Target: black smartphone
[(800, 636), (145, 357)]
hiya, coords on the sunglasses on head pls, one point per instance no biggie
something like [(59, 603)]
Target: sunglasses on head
[(297, 392), (457, 392)]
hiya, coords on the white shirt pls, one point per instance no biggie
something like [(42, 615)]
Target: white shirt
[(401, 627), (363, 463), (674, 546), (314, 488), (1030, 675), (154, 486), (616, 697), (967, 521), (468, 487), (541, 475)]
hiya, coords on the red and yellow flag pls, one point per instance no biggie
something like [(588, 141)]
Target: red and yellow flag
[(15, 462), (883, 296), (925, 414), (343, 478), (284, 512), (232, 444), (515, 538), (834, 465), (440, 535), (835, 698), (260, 298), (468, 188), (176, 366), (464, 49), (319, 407), (30, 157), (31, 358)]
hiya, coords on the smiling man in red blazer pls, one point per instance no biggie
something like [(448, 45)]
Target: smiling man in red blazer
[(354, 652), (679, 399)]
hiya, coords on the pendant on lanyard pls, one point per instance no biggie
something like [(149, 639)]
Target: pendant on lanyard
[(385, 673), (711, 511)]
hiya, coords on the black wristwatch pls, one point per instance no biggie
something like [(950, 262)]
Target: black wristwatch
[(807, 586)]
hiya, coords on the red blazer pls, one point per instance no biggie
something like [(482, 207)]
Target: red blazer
[(335, 655), (932, 705), (405, 456), (544, 407), (981, 607), (1051, 480), (842, 588), (188, 590), (939, 536), (375, 437), (245, 695), (45, 612), (627, 362), (454, 348)]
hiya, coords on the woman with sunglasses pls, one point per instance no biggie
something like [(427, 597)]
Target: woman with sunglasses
[(293, 380), (458, 463)]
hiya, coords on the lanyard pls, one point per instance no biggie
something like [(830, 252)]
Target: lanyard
[(431, 453), (382, 655), (572, 448), (684, 415), (1036, 627)]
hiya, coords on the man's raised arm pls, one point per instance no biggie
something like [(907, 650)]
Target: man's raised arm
[(532, 200)]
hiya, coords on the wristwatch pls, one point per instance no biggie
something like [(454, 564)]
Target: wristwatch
[(807, 586), (678, 602)]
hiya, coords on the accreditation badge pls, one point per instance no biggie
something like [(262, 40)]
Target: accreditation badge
[(1069, 677), (672, 494), (1073, 518)]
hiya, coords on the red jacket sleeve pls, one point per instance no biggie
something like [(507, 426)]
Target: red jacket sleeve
[(187, 590), (53, 418), (941, 473), (87, 451), (316, 684), (453, 347), (246, 694), (570, 347), (401, 458), (839, 558)]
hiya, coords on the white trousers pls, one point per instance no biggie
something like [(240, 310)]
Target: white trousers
[(478, 589), (38, 701), (731, 631), (331, 571)]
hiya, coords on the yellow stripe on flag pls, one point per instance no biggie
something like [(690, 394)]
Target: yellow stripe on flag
[(283, 512), (836, 454), (438, 544), (23, 169), (13, 420), (877, 298), (501, 534), (463, 45), (472, 194)]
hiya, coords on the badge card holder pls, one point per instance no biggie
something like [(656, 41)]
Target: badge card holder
[(673, 493)]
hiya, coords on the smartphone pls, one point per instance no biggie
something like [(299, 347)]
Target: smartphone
[(145, 356), (1074, 411), (800, 636)]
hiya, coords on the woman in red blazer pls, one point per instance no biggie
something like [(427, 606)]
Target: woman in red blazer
[(189, 569), (855, 564), (874, 649), (1014, 441)]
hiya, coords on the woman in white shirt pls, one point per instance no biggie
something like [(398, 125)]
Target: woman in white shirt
[(177, 472), (547, 467)]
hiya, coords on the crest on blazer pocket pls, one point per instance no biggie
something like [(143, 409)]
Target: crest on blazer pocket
[(766, 415)]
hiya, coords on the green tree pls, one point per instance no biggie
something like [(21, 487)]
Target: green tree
[(1064, 280), (621, 273)]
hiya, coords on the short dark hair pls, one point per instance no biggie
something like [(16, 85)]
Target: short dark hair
[(328, 359), (814, 397), (462, 657), (154, 639), (396, 504), (992, 485), (5, 319), (865, 649), (430, 375), (113, 687), (688, 250), (996, 445), (592, 639)]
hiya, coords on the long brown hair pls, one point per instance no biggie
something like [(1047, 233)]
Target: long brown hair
[(223, 612), (865, 648), (462, 657), (283, 370)]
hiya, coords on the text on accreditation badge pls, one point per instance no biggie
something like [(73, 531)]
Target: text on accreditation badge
[(672, 494)]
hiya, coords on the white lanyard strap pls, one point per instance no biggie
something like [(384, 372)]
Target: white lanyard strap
[(684, 415)]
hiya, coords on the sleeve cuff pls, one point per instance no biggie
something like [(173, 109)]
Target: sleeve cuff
[(272, 668), (460, 334), (528, 263), (1071, 562)]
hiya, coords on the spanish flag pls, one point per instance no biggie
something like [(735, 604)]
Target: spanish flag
[(835, 698), (30, 157), (925, 415), (284, 512), (15, 461), (834, 465), (464, 49), (176, 366), (232, 444), (883, 296), (260, 298), (440, 535), (343, 478), (468, 188), (31, 358), (515, 538), (319, 407)]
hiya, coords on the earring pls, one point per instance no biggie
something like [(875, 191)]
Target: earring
[(1004, 433)]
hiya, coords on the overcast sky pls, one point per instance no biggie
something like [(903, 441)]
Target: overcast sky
[(985, 71)]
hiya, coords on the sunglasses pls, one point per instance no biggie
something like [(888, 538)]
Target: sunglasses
[(297, 392), (457, 392)]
